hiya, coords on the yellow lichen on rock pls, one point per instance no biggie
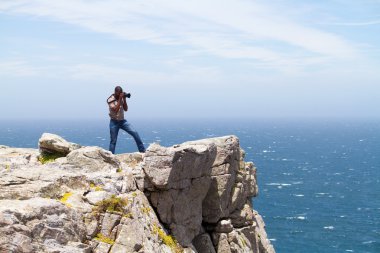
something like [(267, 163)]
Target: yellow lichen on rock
[(168, 240), (65, 197), (145, 209), (105, 239)]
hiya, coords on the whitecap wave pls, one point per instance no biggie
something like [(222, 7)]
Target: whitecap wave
[(368, 242), (296, 218)]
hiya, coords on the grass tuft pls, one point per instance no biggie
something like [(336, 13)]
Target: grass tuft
[(105, 239), (48, 157), (113, 205)]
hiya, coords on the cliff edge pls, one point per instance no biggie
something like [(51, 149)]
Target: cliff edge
[(191, 197)]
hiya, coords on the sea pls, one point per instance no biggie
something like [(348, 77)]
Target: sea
[(319, 180)]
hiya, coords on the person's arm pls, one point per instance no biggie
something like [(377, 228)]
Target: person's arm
[(116, 108), (125, 105)]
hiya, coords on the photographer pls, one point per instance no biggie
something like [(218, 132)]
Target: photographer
[(117, 104)]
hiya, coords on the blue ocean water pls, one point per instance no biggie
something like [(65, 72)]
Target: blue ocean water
[(319, 181)]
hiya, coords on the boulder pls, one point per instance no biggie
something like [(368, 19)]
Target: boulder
[(92, 159), (203, 243), (11, 158), (51, 143), (181, 177)]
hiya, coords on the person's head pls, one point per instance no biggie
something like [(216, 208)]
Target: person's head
[(118, 91)]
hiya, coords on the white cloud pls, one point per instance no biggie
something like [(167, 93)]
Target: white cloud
[(18, 68), (363, 23), (224, 28)]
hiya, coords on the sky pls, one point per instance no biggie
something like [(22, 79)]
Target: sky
[(190, 59)]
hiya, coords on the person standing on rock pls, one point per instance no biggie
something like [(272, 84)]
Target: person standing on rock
[(117, 104)]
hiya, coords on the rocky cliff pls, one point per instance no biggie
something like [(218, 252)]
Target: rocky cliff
[(192, 197)]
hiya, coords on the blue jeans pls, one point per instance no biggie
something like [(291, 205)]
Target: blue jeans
[(115, 125)]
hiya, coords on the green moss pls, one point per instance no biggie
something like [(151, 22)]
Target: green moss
[(105, 239), (134, 194), (168, 240), (48, 157), (113, 205), (118, 170)]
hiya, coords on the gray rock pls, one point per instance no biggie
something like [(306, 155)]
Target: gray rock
[(130, 237), (263, 241), (222, 245), (52, 143), (242, 217), (93, 159), (109, 222), (97, 196), (169, 168), (228, 148), (102, 248), (216, 202), (203, 243), (11, 158), (132, 159), (38, 181), (195, 183), (30, 222), (224, 226), (182, 176)]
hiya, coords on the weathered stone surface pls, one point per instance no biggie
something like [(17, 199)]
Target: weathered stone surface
[(182, 176), (228, 148), (224, 226), (173, 167), (52, 143), (109, 222), (92, 159), (263, 241), (11, 158), (203, 243), (40, 181), (217, 203), (132, 159), (35, 221), (130, 237), (102, 248), (242, 217), (55, 207), (97, 196), (222, 245)]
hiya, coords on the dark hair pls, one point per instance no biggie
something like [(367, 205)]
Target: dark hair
[(118, 88)]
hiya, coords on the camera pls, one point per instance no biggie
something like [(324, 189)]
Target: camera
[(126, 95)]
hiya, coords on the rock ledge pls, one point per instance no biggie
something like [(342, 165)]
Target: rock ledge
[(192, 197)]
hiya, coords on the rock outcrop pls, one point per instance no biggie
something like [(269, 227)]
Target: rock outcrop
[(192, 197)]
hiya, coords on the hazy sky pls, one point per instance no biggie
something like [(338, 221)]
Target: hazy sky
[(189, 59)]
